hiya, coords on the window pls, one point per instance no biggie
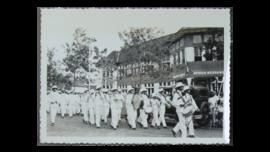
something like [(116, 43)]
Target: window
[(197, 39), (206, 37), (198, 54), (181, 42)]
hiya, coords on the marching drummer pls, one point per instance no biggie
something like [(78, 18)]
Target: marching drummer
[(178, 104), (189, 108), (145, 108)]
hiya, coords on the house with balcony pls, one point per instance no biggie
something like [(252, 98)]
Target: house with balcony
[(191, 55)]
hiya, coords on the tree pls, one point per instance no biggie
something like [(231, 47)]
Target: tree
[(78, 52), (136, 38), (51, 68)]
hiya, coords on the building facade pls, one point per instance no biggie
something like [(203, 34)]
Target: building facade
[(192, 55)]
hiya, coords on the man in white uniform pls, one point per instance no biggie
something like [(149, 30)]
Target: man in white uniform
[(54, 98), (98, 106), (131, 111), (162, 107), (91, 107), (120, 104), (69, 101), (155, 106), (146, 108), (62, 102), (212, 101), (84, 106), (114, 103), (178, 103), (106, 106), (189, 108)]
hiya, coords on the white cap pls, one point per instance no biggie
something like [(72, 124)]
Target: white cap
[(105, 90), (179, 84), (186, 88), (129, 88), (54, 87), (160, 89), (98, 87), (114, 88), (143, 89)]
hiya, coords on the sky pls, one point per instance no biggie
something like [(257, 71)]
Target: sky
[(58, 24)]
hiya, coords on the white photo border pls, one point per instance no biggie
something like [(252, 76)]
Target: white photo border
[(42, 126)]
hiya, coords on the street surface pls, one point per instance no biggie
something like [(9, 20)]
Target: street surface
[(75, 127)]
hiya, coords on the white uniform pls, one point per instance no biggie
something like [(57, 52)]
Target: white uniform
[(131, 112), (115, 103), (70, 105), (63, 105), (98, 108), (54, 98), (143, 115), (189, 121), (106, 107), (120, 104), (84, 106), (162, 110), (155, 105), (91, 109), (178, 103)]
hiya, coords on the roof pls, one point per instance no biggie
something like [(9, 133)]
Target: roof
[(192, 30)]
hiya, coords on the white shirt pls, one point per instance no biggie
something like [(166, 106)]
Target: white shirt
[(129, 100), (213, 101)]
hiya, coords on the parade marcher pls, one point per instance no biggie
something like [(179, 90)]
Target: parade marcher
[(212, 101), (91, 107), (162, 107), (69, 101), (53, 97), (131, 111), (106, 106), (84, 106), (77, 104), (114, 103), (98, 106), (189, 108), (145, 108), (155, 106), (63, 105), (120, 104), (178, 103)]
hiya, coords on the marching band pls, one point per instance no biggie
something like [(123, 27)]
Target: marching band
[(97, 105)]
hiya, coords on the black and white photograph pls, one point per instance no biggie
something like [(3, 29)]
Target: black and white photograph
[(134, 76)]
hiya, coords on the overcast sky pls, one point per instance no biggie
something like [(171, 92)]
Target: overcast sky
[(58, 24)]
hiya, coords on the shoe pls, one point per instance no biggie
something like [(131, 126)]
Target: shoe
[(114, 128), (174, 134), (165, 127), (98, 127), (52, 124), (145, 127), (159, 127), (191, 136), (152, 126), (134, 128)]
